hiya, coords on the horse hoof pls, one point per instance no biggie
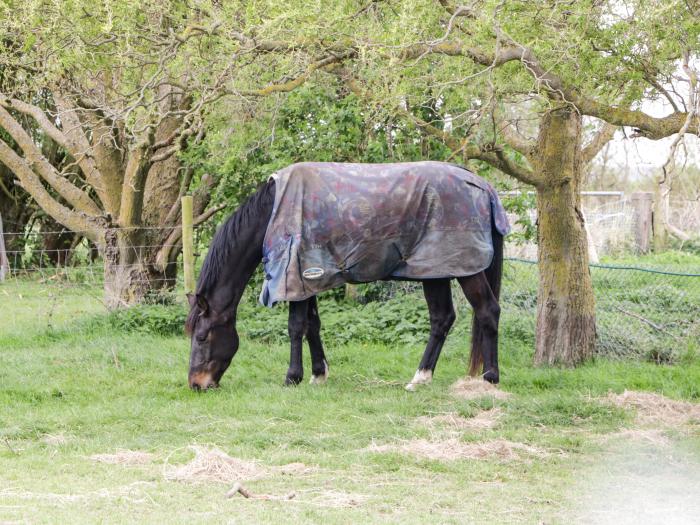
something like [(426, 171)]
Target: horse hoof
[(422, 377), (320, 379), (492, 377), (292, 381)]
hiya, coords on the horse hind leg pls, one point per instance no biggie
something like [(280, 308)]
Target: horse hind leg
[(319, 364), (484, 326), (442, 316)]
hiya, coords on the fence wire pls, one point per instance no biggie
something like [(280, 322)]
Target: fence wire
[(641, 312), (649, 313)]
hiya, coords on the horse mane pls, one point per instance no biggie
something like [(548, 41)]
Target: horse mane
[(224, 243)]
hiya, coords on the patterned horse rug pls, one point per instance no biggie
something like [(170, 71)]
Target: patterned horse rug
[(335, 223)]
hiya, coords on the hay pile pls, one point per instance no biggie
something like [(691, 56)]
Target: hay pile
[(475, 387), (124, 457), (54, 440), (453, 449), (484, 420), (655, 409), (213, 465)]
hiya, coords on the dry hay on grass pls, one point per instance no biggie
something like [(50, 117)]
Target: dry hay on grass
[(452, 421), (653, 436), (453, 449), (214, 465), (331, 498), (54, 440), (124, 457), (132, 493), (475, 387), (656, 409)]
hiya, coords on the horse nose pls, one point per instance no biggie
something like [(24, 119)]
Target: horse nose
[(202, 381)]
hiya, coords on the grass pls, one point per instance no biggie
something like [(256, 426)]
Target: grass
[(75, 384)]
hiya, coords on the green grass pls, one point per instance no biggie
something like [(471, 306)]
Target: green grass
[(103, 384)]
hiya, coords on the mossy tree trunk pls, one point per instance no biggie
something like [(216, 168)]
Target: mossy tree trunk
[(566, 307)]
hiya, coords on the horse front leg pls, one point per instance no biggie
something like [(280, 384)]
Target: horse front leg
[(297, 327), (319, 365), (438, 295)]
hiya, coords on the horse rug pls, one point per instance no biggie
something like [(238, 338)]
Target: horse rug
[(336, 223)]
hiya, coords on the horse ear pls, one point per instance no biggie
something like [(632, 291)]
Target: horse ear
[(191, 299), (202, 303)]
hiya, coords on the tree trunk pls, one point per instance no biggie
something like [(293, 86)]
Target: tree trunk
[(129, 275), (4, 263), (566, 308)]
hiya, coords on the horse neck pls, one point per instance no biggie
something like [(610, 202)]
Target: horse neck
[(244, 258)]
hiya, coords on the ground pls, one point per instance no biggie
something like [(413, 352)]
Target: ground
[(96, 424)]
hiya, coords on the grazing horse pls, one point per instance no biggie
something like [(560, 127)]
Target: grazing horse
[(315, 226)]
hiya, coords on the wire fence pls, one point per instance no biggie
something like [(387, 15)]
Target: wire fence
[(641, 312), (650, 312)]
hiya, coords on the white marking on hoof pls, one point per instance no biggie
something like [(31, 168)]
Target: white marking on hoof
[(421, 377), (321, 379)]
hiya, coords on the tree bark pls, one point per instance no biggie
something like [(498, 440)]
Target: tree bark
[(566, 308)]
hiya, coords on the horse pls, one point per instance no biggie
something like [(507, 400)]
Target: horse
[(438, 213)]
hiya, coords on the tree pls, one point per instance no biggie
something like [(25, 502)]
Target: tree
[(493, 67), (119, 91), (584, 59)]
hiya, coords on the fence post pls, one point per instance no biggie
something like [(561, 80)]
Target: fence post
[(643, 204), (4, 263), (187, 243)]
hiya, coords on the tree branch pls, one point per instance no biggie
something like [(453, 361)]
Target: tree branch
[(32, 184), (134, 183), (76, 197), (600, 139), (78, 146), (491, 154), (163, 256), (291, 85), (511, 136), (647, 126)]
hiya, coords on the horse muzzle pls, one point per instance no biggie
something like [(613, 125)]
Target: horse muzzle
[(202, 381)]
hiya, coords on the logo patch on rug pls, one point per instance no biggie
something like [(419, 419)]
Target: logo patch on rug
[(313, 273)]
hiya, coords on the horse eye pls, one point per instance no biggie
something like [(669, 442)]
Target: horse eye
[(201, 338)]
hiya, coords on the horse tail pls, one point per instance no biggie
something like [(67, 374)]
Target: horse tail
[(493, 276)]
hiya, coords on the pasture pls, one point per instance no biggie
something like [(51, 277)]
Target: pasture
[(97, 424)]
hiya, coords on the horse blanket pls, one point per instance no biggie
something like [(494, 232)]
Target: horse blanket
[(335, 223)]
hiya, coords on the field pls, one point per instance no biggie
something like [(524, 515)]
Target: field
[(97, 425)]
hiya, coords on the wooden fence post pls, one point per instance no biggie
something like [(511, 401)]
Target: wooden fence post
[(187, 243), (643, 204), (4, 263)]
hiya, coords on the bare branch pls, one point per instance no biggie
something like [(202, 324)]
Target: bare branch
[(163, 255), (600, 139)]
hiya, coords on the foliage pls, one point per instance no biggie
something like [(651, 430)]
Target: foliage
[(315, 122)]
